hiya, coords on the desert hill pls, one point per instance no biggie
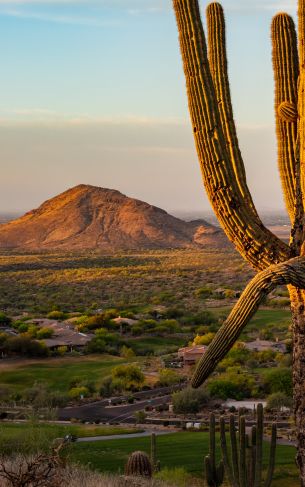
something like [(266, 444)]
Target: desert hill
[(89, 217)]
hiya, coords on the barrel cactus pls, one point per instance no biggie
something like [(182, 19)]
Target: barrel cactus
[(138, 465)]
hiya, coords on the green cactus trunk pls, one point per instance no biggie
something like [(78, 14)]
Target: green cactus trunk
[(214, 474), (225, 182), (244, 467)]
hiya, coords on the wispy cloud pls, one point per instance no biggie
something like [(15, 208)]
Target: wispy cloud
[(260, 5), (57, 18), (45, 116)]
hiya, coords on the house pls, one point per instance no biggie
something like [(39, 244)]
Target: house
[(124, 323), (64, 335), (262, 345), (190, 355)]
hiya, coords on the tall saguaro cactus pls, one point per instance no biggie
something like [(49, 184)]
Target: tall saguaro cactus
[(224, 177)]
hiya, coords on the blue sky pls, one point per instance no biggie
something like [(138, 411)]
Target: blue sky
[(93, 92)]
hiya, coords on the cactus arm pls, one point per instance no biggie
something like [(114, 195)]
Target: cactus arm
[(225, 455), (253, 454), (242, 452), (208, 471), (220, 472), (256, 243), (259, 445), (235, 459), (272, 456), (212, 444), (290, 272), (153, 458), (218, 63), (286, 72), (301, 91)]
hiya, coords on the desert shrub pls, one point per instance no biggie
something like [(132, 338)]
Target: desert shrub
[(127, 352), (189, 400), (78, 392), (57, 315), (177, 476), (44, 332), (203, 292), (168, 377), (22, 345), (127, 377), (204, 339), (233, 385), (278, 380), (278, 400), (39, 396), (4, 319)]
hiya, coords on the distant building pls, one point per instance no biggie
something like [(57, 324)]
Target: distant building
[(190, 355), (262, 345), (124, 321), (64, 335)]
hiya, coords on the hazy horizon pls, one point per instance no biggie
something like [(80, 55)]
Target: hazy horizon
[(93, 92)]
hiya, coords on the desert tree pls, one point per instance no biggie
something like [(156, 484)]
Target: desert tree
[(223, 172)]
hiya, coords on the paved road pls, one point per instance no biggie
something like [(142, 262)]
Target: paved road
[(122, 437), (100, 411)]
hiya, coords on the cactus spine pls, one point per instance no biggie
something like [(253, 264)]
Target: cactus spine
[(214, 474), (138, 465), (246, 467), (224, 175)]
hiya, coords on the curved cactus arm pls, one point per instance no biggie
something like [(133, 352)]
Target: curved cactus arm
[(272, 456), (225, 455), (256, 243), (286, 72), (290, 272), (219, 71)]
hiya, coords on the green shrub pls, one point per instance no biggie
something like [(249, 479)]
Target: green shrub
[(78, 392), (44, 332), (57, 315), (189, 400)]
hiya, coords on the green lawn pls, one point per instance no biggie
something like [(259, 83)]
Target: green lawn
[(276, 320), (14, 430), (174, 450), (57, 373)]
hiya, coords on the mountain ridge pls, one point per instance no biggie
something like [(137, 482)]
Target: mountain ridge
[(90, 217)]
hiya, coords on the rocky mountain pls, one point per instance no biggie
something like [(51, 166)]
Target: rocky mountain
[(89, 217)]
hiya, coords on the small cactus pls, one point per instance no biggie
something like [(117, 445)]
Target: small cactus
[(214, 474), (138, 465)]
